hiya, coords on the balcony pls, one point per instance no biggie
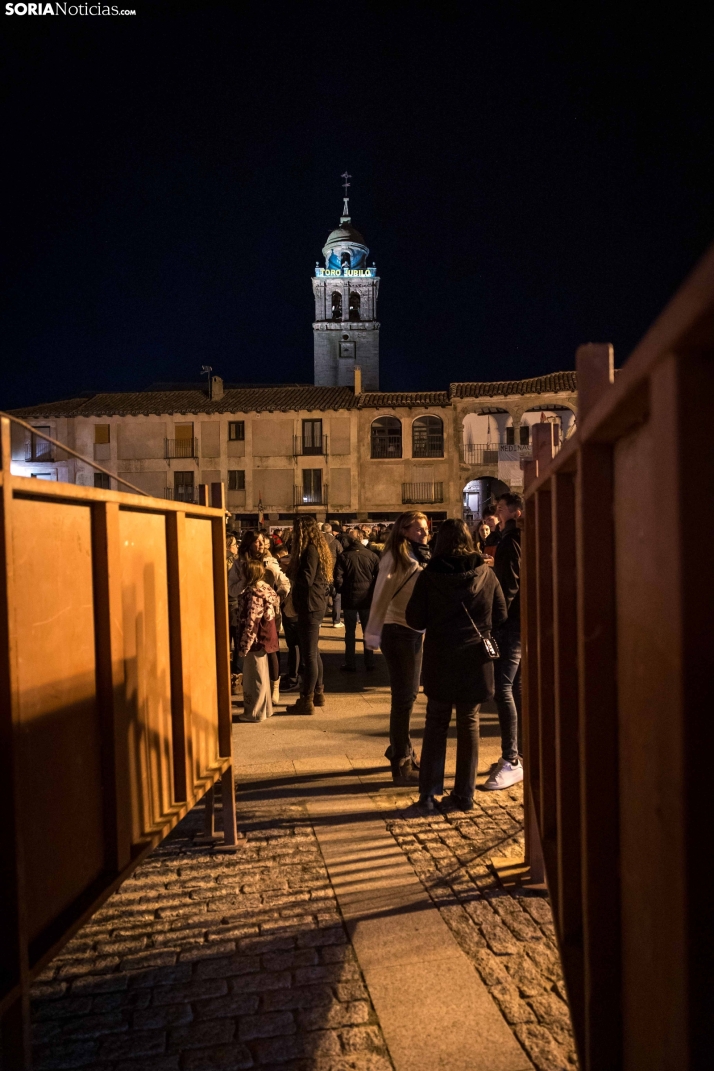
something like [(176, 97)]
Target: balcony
[(303, 449), (39, 450), (182, 494), (492, 453), (386, 446), (422, 493), (181, 448), (429, 448), (304, 497)]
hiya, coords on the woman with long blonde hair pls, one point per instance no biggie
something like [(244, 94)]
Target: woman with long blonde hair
[(405, 555), (310, 572)]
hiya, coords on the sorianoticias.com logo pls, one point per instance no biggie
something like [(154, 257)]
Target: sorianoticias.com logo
[(66, 9)]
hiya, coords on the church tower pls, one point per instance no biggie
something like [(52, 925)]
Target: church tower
[(346, 330)]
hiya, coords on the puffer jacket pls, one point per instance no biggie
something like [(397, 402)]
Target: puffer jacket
[(454, 666), (355, 576)]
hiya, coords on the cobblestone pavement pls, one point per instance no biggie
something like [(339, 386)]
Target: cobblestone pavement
[(206, 962), (507, 935)]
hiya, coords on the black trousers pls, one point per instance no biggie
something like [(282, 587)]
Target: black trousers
[(350, 617), (290, 628), (309, 638), (433, 752), (402, 650)]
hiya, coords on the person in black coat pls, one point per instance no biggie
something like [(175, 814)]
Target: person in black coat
[(355, 576), (310, 572), (457, 599)]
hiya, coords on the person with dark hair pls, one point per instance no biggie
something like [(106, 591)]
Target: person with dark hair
[(405, 555), (458, 600), (355, 577), (492, 540), (507, 567), (310, 573)]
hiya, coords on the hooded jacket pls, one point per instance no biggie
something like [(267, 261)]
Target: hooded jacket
[(455, 667)]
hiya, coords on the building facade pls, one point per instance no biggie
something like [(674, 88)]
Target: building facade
[(340, 448), (331, 451)]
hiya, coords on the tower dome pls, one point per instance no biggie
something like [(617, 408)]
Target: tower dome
[(345, 247)]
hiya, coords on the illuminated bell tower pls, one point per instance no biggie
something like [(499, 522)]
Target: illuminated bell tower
[(346, 330)]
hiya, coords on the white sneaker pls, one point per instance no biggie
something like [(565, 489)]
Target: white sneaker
[(503, 775), (338, 624)]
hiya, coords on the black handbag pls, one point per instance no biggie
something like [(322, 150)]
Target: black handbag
[(490, 647)]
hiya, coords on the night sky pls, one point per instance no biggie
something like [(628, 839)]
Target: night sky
[(526, 180)]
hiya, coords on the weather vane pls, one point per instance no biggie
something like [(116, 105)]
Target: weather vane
[(346, 185)]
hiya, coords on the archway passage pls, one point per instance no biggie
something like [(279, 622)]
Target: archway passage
[(480, 493)]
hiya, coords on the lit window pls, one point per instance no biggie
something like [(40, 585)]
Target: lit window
[(236, 430)]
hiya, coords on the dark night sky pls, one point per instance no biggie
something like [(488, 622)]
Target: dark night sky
[(526, 180)]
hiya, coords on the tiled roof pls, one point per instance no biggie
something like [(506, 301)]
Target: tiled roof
[(395, 399), (240, 400), (553, 383)]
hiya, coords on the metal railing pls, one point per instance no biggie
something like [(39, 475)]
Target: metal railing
[(430, 447), (300, 449), (301, 497), (181, 448), (187, 493), (422, 492), (39, 450), (492, 453), (384, 446)]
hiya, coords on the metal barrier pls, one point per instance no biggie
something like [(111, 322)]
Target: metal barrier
[(115, 710), (618, 612)]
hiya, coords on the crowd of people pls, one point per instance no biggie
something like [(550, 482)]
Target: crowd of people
[(443, 608)]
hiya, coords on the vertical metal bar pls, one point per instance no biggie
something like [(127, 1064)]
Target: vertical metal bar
[(180, 679), (209, 814), (14, 968), (109, 645), (531, 722), (598, 733)]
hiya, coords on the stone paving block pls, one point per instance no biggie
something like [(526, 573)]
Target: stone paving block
[(513, 1008), (78, 968), (199, 1035), (180, 972), (232, 1005), (227, 967), (135, 1043), (94, 1026), (234, 1057), (542, 1049), (260, 983), (362, 1039), (287, 961), (198, 989), (355, 990), (206, 951), (312, 996), (550, 1009), (48, 990), (152, 958), (524, 974), (163, 1017), (65, 1055), (124, 1000), (67, 1008), (350, 1014), (267, 1025)]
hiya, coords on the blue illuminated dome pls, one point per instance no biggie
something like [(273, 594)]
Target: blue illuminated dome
[(345, 247)]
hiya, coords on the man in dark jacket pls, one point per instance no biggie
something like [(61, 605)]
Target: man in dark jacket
[(355, 575), (507, 567)]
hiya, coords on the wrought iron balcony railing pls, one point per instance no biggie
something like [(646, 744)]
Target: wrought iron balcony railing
[(384, 446), (422, 493), (39, 450), (303, 449), (303, 497), (185, 493), (181, 448), (492, 453)]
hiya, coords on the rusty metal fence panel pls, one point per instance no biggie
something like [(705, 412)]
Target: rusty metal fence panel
[(115, 712), (618, 594)]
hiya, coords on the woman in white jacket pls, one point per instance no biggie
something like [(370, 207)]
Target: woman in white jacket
[(405, 555)]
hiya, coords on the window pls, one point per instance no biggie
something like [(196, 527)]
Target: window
[(101, 434), (184, 432), (347, 349), (100, 478), (355, 303), (236, 479), (337, 305), (524, 434), (510, 436), (236, 430), (387, 437), (312, 486), (38, 449), (428, 437), (183, 486), (312, 436)]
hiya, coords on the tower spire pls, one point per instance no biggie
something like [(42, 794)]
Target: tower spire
[(346, 218)]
